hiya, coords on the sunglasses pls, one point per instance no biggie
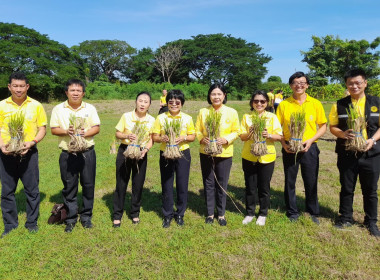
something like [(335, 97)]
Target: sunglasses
[(259, 101), (174, 103)]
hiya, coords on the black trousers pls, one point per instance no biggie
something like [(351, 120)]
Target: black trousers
[(13, 168), (181, 169), (257, 181), (309, 162), (368, 169), (124, 168), (220, 168), (80, 167)]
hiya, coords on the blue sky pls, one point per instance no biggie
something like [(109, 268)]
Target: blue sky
[(282, 28)]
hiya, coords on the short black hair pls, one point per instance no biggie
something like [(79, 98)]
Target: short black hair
[(18, 76), (175, 94), (258, 92), (354, 73), (147, 93), (279, 90), (219, 86), (75, 82), (297, 75)]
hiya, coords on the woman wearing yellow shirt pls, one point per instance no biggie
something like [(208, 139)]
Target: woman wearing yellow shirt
[(126, 166), (258, 170), (180, 167), (216, 168)]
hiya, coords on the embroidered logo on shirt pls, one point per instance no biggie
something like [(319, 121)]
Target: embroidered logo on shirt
[(373, 109)]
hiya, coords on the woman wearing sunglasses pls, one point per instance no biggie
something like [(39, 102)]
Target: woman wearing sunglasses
[(180, 167), (216, 168), (258, 170)]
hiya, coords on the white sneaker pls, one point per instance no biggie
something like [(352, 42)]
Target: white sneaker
[(261, 221), (247, 220)]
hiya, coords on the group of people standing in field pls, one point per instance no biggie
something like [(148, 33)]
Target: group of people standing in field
[(216, 152)]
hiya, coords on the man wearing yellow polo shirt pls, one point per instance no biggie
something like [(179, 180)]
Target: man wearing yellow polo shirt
[(80, 165), (24, 166), (351, 164), (309, 157)]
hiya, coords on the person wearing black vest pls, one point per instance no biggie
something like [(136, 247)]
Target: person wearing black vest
[(350, 163)]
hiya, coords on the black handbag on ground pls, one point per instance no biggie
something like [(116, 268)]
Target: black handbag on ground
[(58, 214)]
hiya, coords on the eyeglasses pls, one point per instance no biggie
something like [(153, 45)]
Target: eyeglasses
[(358, 84), (174, 103), (259, 101), (299, 84)]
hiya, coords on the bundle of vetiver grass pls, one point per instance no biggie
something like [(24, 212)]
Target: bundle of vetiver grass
[(134, 149), (172, 130), (296, 127), (16, 132), (357, 124), (77, 142), (115, 142), (212, 123), (259, 145)]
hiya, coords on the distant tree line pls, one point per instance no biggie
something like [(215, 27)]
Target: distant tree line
[(203, 59)]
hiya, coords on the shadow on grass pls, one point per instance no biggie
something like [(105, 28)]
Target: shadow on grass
[(196, 202), (21, 200), (277, 201), (150, 202)]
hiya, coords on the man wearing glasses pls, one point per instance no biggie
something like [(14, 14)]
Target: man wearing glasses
[(308, 158), (350, 163)]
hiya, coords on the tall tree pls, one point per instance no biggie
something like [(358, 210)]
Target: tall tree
[(330, 57), (168, 58), (47, 63), (225, 59), (109, 57)]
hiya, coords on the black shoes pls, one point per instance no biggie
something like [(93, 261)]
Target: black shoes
[(69, 227), (33, 229), (116, 225), (209, 220), (222, 222), (293, 219), (135, 221), (6, 232), (315, 219), (179, 220), (342, 225), (166, 222), (87, 224), (374, 230)]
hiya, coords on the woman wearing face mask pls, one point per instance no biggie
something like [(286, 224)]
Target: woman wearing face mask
[(216, 168), (181, 166), (126, 166), (258, 170)]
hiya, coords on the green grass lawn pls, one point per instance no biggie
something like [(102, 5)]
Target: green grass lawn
[(280, 250)]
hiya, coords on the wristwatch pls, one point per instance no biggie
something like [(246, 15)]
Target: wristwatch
[(374, 141)]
